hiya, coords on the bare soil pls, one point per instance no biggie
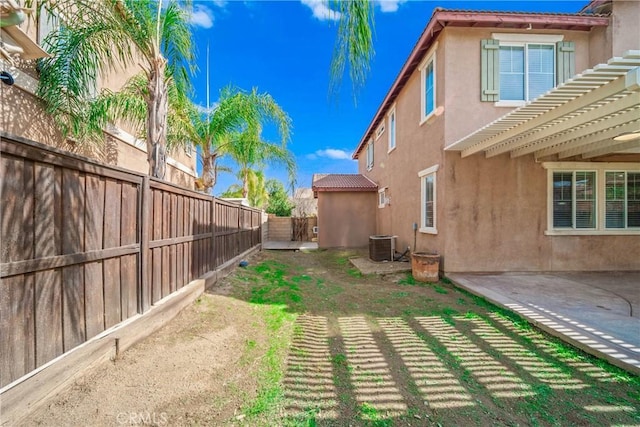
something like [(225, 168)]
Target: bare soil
[(360, 350)]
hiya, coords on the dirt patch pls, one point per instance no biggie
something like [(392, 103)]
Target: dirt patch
[(305, 339), (199, 369)]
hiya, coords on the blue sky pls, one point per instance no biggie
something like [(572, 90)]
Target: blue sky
[(285, 48)]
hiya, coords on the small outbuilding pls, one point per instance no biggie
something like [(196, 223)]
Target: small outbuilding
[(345, 206)]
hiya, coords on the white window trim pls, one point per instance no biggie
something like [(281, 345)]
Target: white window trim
[(600, 169), (393, 130), (422, 174), (516, 39), (380, 130), (383, 193), (429, 57), (369, 147)]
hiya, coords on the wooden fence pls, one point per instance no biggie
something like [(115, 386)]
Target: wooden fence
[(87, 246)]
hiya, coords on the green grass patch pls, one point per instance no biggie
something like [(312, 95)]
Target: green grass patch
[(439, 289), (354, 272), (270, 393), (408, 280)]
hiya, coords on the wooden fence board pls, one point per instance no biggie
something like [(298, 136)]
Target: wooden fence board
[(73, 320), (156, 277), (48, 316), (17, 328), (94, 214), (12, 191), (94, 298), (128, 235), (129, 280), (73, 206), (47, 211), (112, 307)]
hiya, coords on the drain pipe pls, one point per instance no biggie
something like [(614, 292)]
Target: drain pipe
[(415, 235)]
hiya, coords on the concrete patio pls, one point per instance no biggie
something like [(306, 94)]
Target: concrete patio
[(596, 312), (289, 246)]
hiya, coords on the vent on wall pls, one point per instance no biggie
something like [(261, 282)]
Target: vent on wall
[(381, 248)]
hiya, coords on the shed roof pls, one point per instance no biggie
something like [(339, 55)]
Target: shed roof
[(343, 182), (443, 18)]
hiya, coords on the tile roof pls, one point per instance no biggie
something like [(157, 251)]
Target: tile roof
[(343, 182)]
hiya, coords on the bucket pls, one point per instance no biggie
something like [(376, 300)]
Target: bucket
[(425, 267)]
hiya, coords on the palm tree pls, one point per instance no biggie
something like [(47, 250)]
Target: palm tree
[(257, 194), (251, 152), (101, 37), (354, 42), (216, 132)]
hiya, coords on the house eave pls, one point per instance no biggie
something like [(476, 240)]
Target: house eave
[(452, 18)]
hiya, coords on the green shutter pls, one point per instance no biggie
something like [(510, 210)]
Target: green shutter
[(490, 70), (565, 61)]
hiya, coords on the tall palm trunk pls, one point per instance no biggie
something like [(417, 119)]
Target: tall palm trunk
[(158, 106), (208, 169), (245, 182)]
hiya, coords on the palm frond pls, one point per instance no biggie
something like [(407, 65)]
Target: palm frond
[(354, 43)]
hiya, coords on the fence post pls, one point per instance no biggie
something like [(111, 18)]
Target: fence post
[(145, 217), (212, 224)]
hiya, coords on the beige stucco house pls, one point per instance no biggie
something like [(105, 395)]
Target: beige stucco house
[(22, 114), (489, 149)]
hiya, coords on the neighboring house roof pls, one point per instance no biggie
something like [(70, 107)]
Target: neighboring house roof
[(443, 18), (343, 182), (596, 113)]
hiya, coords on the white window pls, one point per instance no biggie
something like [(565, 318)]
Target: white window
[(622, 195), (428, 85), (392, 129), (380, 131), (527, 70), (382, 197), (593, 198), (574, 199), (370, 155), (428, 200), (188, 149)]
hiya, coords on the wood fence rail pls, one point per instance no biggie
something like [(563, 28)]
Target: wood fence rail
[(86, 246)]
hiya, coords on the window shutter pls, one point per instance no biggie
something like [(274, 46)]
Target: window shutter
[(490, 70), (565, 61)]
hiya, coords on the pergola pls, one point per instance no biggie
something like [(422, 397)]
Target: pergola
[(594, 114)]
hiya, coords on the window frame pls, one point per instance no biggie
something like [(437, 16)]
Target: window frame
[(601, 169), (380, 130), (369, 152), (515, 39), (430, 58), (382, 198), (423, 174), (392, 140), (625, 200)]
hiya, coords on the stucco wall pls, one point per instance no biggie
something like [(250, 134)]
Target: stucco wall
[(491, 213), (345, 218), (625, 26)]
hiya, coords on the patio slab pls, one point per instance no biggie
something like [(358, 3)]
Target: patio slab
[(290, 246), (368, 266), (596, 312)]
